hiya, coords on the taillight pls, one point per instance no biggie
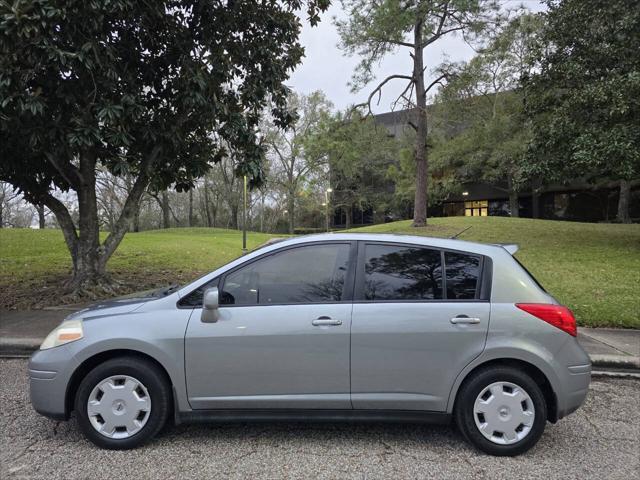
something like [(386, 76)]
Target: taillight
[(556, 315)]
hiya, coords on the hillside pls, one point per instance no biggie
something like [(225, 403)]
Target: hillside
[(593, 268), (34, 263)]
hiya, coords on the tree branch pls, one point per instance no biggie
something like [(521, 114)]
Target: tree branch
[(64, 219), (70, 173), (379, 89), (393, 42), (437, 80), (130, 206)]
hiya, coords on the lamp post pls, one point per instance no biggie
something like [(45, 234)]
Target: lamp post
[(244, 216), (326, 204)]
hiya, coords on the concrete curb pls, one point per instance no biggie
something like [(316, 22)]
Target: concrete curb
[(616, 361), (19, 347)]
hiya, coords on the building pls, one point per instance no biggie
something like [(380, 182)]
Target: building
[(575, 200)]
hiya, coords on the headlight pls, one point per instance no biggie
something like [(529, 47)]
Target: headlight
[(67, 331)]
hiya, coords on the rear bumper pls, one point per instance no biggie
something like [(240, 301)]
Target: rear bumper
[(575, 388)]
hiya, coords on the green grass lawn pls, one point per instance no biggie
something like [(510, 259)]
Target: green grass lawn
[(592, 268), (33, 263)]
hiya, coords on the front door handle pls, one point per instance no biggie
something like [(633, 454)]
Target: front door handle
[(320, 321), (465, 320)]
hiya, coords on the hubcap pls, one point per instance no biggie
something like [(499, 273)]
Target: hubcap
[(119, 406), (504, 413)]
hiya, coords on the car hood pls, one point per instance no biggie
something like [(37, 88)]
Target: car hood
[(114, 306)]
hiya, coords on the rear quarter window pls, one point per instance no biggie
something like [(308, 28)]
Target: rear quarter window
[(462, 272)]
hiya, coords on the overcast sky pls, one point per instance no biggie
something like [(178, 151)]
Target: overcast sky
[(326, 68)]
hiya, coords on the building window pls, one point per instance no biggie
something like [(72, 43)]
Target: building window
[(478, 208)]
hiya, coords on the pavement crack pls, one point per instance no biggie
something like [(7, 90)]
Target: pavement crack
[(245, 455), (25, 450)]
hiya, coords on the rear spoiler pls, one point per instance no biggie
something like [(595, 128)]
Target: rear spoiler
[(509, 247)]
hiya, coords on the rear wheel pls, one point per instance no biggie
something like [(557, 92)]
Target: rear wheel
[(123, 402), (501, 411)]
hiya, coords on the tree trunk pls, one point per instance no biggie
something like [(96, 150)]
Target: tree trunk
[(165, 210), (207, 208), (348, 212), (234, 216), (623, 202), (262, 212), (514, 206), (535, 204), (41, 217), (191, 207), (136, 220), (291, 205), (88, 255), (420, 200), (88, 270)]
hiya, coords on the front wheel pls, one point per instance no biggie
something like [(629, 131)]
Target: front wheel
[(122, 403), (501, 411)]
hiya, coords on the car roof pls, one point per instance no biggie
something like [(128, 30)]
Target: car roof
[(446, 243)]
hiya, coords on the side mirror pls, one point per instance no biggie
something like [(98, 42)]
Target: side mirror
[(210, 304)]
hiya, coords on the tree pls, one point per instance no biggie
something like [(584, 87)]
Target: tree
[(480, 124), (291, 166), (14, 211), (375, 29), (583, 99), (359, 153), (147, 89)]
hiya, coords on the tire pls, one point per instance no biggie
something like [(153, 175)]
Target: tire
[(518, 397), (111, 388)]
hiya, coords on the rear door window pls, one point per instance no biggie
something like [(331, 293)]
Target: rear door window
[(394, 272)]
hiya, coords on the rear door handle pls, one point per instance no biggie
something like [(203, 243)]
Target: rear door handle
[(320, 321), (465, 320)]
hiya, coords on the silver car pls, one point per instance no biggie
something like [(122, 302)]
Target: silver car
[(328, 327)]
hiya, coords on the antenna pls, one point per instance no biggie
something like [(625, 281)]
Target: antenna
[(460, 233)]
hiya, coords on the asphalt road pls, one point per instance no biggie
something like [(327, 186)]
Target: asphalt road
[(602, 440)]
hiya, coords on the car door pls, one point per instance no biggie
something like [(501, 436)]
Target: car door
[(417, 320), (282, 337)]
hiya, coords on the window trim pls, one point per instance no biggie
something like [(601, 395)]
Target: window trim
[(180, 303), (347, 291), (483, 286)]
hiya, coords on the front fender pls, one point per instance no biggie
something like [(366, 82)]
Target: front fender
[(158, 334)]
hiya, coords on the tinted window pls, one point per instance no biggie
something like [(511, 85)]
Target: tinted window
[(402, 273), (311, 274), (463, 272)]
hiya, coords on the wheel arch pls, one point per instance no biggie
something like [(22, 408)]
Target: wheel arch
[(529, 368), (93, 361)]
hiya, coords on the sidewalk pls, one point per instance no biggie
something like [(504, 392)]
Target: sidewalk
[(22, 332)]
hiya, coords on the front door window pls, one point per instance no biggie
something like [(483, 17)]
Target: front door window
[(309, 274)]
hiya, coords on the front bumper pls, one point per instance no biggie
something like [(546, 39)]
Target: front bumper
[(49, 375)]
